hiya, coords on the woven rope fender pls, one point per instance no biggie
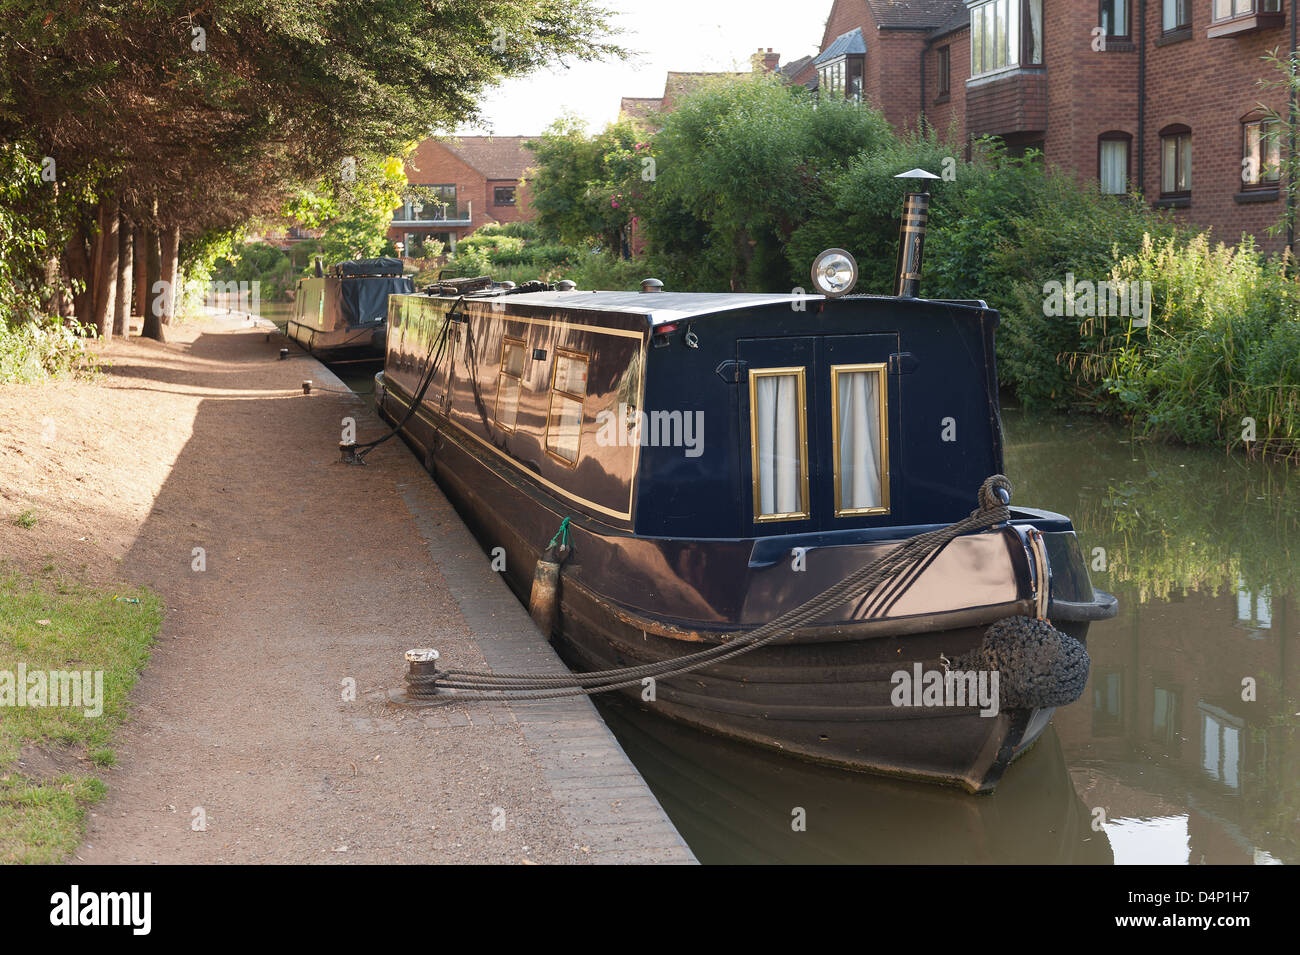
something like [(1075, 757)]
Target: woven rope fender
[(1037, 664)]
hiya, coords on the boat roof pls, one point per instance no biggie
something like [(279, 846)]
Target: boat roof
[(659, 307)]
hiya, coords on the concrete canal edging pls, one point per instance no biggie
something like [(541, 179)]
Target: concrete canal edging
[(594, 783), (598, 789)]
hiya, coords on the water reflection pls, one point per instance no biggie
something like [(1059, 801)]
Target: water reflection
[(1183, 748), (1188, 736)]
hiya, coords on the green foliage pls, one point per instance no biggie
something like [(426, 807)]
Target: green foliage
[(1223, 345), (258, 262), (35, 218), (741, 166), (52, 624), (355, 209), (584, 187), (43, 348)]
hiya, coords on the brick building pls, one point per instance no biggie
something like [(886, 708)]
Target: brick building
[(1159, 97), (460, 185)]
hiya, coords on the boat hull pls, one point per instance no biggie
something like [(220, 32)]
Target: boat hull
[(824, 694)]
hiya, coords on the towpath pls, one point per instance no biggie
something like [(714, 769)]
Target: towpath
[(246, 744)]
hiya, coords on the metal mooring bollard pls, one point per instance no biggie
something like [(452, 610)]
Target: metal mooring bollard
[(306, 387), (284, 353), (422, 665)]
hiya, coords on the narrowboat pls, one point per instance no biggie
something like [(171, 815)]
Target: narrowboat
[(341, 313), (720, 458)]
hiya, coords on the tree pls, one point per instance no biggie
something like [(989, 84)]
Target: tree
[(741, 165), (585, 188), (193, 120)]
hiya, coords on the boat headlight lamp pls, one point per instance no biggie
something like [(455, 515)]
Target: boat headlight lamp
[(834, 273)]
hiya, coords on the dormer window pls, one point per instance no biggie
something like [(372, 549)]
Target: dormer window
[(1005, 34)]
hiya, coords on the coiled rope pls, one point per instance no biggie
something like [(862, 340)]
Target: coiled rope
[(993, 509)]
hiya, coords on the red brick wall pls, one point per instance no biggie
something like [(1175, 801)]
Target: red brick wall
[(948, 118), (1207, 84), (1004, 105), (1089, 92), (848, 15), (1210, 85), (892, 81), (433, 163)]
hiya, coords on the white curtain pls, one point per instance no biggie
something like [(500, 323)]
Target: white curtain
[(778, 444), (859, 439), (1114, 167)]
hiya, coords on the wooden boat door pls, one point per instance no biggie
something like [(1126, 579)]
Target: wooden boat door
[(815, 430)]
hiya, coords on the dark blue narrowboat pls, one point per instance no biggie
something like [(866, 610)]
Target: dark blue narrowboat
[(341, 313), (723, 458)]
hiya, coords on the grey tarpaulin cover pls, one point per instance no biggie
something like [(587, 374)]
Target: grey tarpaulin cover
[(385, 265), (362, 300)]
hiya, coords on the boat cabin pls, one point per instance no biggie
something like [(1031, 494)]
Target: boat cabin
[(344, 309), (692, 415)]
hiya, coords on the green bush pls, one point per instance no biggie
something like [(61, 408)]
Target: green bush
[(1222, 348), (258, 262), (43, 348)]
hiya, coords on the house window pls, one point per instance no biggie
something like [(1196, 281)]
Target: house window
[(1221, 755), (1254, 610), (428, 203), (1261, 154), (842, 76), (777, 409), (945, 71), (503, 195), (564, 421), (1175, 161), (1113, 163), (509, 382), (1175, 15), (1227, 9), (860, 422), (1005, 33), (1165, 711), (1115, 18)]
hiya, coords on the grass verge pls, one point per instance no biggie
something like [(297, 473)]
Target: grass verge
[(51, 624)]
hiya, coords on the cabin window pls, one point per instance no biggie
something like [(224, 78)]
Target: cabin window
[(509, 382), (564, 422), (777, 411), (861, 439)]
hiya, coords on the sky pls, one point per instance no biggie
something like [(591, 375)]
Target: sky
[(678, 35)]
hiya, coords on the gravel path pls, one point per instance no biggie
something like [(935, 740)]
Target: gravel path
[(317, 577)]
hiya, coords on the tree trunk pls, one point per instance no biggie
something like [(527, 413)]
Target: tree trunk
[(106, 269), (125, 271), (140, 286), (77, 263), (155, 293), (171, 245)]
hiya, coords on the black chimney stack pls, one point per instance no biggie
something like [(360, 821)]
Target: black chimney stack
[(911, 239)]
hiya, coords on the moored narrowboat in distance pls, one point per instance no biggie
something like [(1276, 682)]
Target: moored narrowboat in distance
[(341, 313), (719, 459)]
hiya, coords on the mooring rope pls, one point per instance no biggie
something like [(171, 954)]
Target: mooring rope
[(993, 509)]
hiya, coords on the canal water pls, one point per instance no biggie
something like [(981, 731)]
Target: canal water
[(1183, 748)]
